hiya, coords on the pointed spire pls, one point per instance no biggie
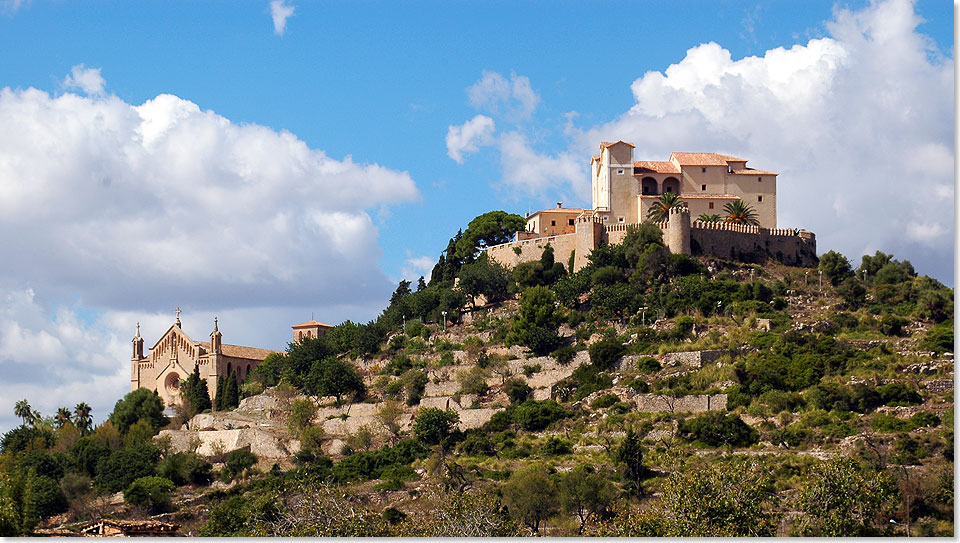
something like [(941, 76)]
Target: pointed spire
[(177, 322), (215, 324), (138, 329)]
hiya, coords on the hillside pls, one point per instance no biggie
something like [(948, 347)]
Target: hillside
[(648, 394)]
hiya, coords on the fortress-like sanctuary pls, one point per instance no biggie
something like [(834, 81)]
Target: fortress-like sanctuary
[(624, 190)]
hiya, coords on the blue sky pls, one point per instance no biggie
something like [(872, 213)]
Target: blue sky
[(262, 161)]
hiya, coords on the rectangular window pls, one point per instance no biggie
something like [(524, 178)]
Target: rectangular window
[(570, 222), (553, 223), (703, 187), (620, 219), (759, 180), (759, 198), (710, 205), (703, 170), (619, 172)]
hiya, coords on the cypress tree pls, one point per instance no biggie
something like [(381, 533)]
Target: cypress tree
[(232, 397), (218, 397)]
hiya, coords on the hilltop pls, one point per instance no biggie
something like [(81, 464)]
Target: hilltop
[(649, 393)]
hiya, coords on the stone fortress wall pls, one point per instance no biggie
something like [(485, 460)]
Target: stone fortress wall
[(680, 235)]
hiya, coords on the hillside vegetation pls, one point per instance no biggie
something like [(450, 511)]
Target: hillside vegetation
[(648, 394)]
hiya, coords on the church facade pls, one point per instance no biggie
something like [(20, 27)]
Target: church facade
[(175, 355)]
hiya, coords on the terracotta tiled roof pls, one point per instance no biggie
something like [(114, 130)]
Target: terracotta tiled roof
[(310, 324), (238, 351), (654, 166), (751, 171), (610, 144), (704, 159), (558, 210)]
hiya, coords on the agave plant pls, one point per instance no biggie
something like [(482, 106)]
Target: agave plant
[(709, 217), (661, 207), (739, 212)]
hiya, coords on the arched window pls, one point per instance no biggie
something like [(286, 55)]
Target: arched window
[(648, 185), (229, 368), (671, 184), (247, 373)]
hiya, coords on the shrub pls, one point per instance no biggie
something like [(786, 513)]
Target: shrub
[(301, 413), (238, 461), (476, 444), (185, 468), (124, 466), (432, 426), (605, 401), (534, 416), (898, 394), (555, 446), (472, 381), (715, 429), (564, 355), (648, 364), (43, 497), (530, 369), (150, 492), (605, 353), (414, 385), (516, 389)]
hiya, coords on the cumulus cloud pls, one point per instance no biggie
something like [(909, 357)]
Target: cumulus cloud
[(468, 137), (527, 171), (128, 205), (495, 93), (416, 266), (133, 209), (280, 12), (85, 79), (859, 125)]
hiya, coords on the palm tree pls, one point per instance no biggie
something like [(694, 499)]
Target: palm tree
[(661, 207), (62, 417), (708, 217), (23, 410), (83, 420), (739, 212)]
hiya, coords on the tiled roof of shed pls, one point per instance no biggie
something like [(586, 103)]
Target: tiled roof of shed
[(610, 144)]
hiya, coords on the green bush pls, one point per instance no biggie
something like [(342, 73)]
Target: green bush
[(555, 446), (476, 444), (432, 426), (715, 429), (516, 389), (185, 468), (604, 401), (472, 381), (414, 385), (564, 355), (534, 416), (605, 353), (43, 497), (648, 364), (150, 492), (238, 461), (123, 466)]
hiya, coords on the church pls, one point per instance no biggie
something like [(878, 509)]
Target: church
[(175, 355)]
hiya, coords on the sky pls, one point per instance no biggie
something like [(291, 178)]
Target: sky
[(265, 162)]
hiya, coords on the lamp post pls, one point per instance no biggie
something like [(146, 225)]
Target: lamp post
[(644, 315), (444, 313), (806, 275), (404, 324), (820, 272)]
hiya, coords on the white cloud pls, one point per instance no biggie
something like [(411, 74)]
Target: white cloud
[(468, 137), (527, 171), (88, 80), (514, 95), (416, 266), (280, 12), (858, 124), (131, 206)]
